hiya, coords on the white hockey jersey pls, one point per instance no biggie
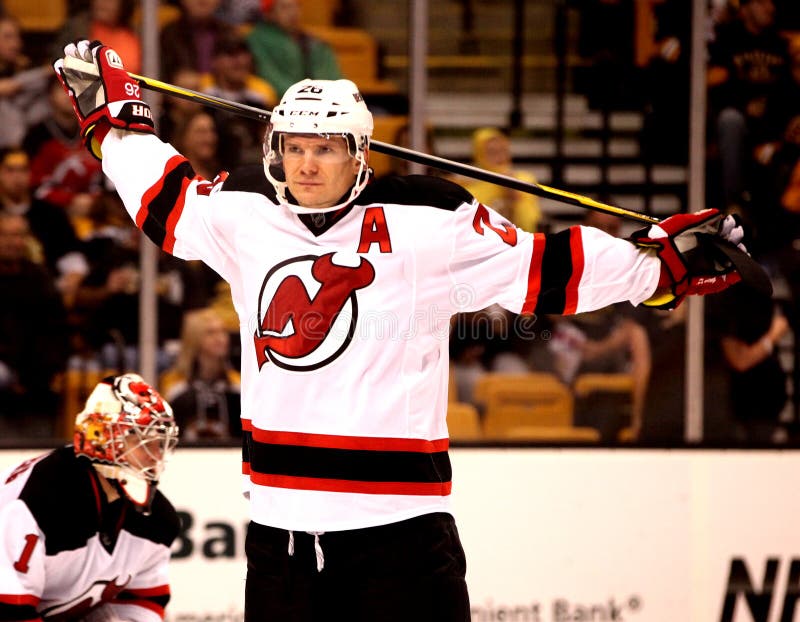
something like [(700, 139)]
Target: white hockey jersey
[(65, 551), (344, 326)]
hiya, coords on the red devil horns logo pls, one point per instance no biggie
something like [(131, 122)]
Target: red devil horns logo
[(296, 323)]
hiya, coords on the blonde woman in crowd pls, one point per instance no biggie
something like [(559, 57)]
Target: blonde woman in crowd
[(491, 150), (202, 385)]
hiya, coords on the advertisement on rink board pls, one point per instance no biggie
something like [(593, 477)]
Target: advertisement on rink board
[(553, 535)]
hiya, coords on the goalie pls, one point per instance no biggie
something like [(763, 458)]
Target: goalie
[(344, 289), (85, 532)]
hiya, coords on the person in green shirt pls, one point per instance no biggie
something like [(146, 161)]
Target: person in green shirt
[(283, 53)]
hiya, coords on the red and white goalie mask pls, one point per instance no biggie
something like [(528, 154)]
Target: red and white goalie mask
[(128, 431)]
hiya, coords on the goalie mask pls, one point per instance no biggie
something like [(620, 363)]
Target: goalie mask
[(326, 108), (128, 431)]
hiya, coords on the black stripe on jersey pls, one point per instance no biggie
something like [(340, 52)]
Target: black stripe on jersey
[(415, 190), (161, 205), (556, 271), (126, 597), (18, 613), (250, 179), (350, 464), (247, 441)]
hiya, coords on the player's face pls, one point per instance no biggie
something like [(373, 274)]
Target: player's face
[(318, 170)]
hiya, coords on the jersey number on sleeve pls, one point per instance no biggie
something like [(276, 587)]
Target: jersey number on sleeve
[(507, 234), (21, 565)]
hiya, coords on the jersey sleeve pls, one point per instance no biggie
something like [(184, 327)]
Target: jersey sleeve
[(178, 210), (22, 573), (575, 270)]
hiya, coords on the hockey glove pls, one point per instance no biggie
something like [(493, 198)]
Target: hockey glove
[(696, 255), (102, 93)]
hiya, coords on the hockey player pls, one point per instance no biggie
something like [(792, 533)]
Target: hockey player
[(86, 535), (344, 291)]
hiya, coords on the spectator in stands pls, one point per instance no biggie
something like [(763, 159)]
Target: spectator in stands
[(239, 12), (62, 172), (284, 53), (666, 123), (748, 62), (606, 41), (751, 329), (202, 386), (607, 342), (496, 340), (663, 410), (232, 78), (176, 109), (105, 20), (777, 219), (198, 139), (491, 150), (60, 249), (106, 309), (32, 337), (189, 40), (22, 86)]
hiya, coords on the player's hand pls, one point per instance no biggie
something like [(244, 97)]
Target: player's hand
[(692, 263), (103, 94)]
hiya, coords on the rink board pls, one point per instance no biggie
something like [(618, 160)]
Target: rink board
[(554, 535)]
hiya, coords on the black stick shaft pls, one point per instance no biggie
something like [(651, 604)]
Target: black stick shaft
[(443, 164)]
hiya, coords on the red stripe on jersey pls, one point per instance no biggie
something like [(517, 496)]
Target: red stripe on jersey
[(340, 485), (245, 468), (576, 250), (247, 425), (534, 274), (330, 441), (19, 599)]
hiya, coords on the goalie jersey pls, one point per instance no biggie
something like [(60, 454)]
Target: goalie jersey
[(65, 552), (344, 327)]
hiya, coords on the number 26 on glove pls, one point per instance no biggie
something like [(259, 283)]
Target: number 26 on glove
[(103, 95)]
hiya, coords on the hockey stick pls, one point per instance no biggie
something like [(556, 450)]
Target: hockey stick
[(408, 154), (750, 271)]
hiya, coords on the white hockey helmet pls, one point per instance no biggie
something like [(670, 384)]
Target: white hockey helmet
[(325, 108), (128, 431)]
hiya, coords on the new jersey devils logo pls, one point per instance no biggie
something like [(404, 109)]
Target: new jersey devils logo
[(307, 310), (98, 593)]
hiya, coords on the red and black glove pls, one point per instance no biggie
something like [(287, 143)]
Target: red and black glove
[(699, 254), (102, 93)]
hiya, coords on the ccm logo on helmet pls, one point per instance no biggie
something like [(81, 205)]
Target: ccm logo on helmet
[(307, 310), (113, 59)]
